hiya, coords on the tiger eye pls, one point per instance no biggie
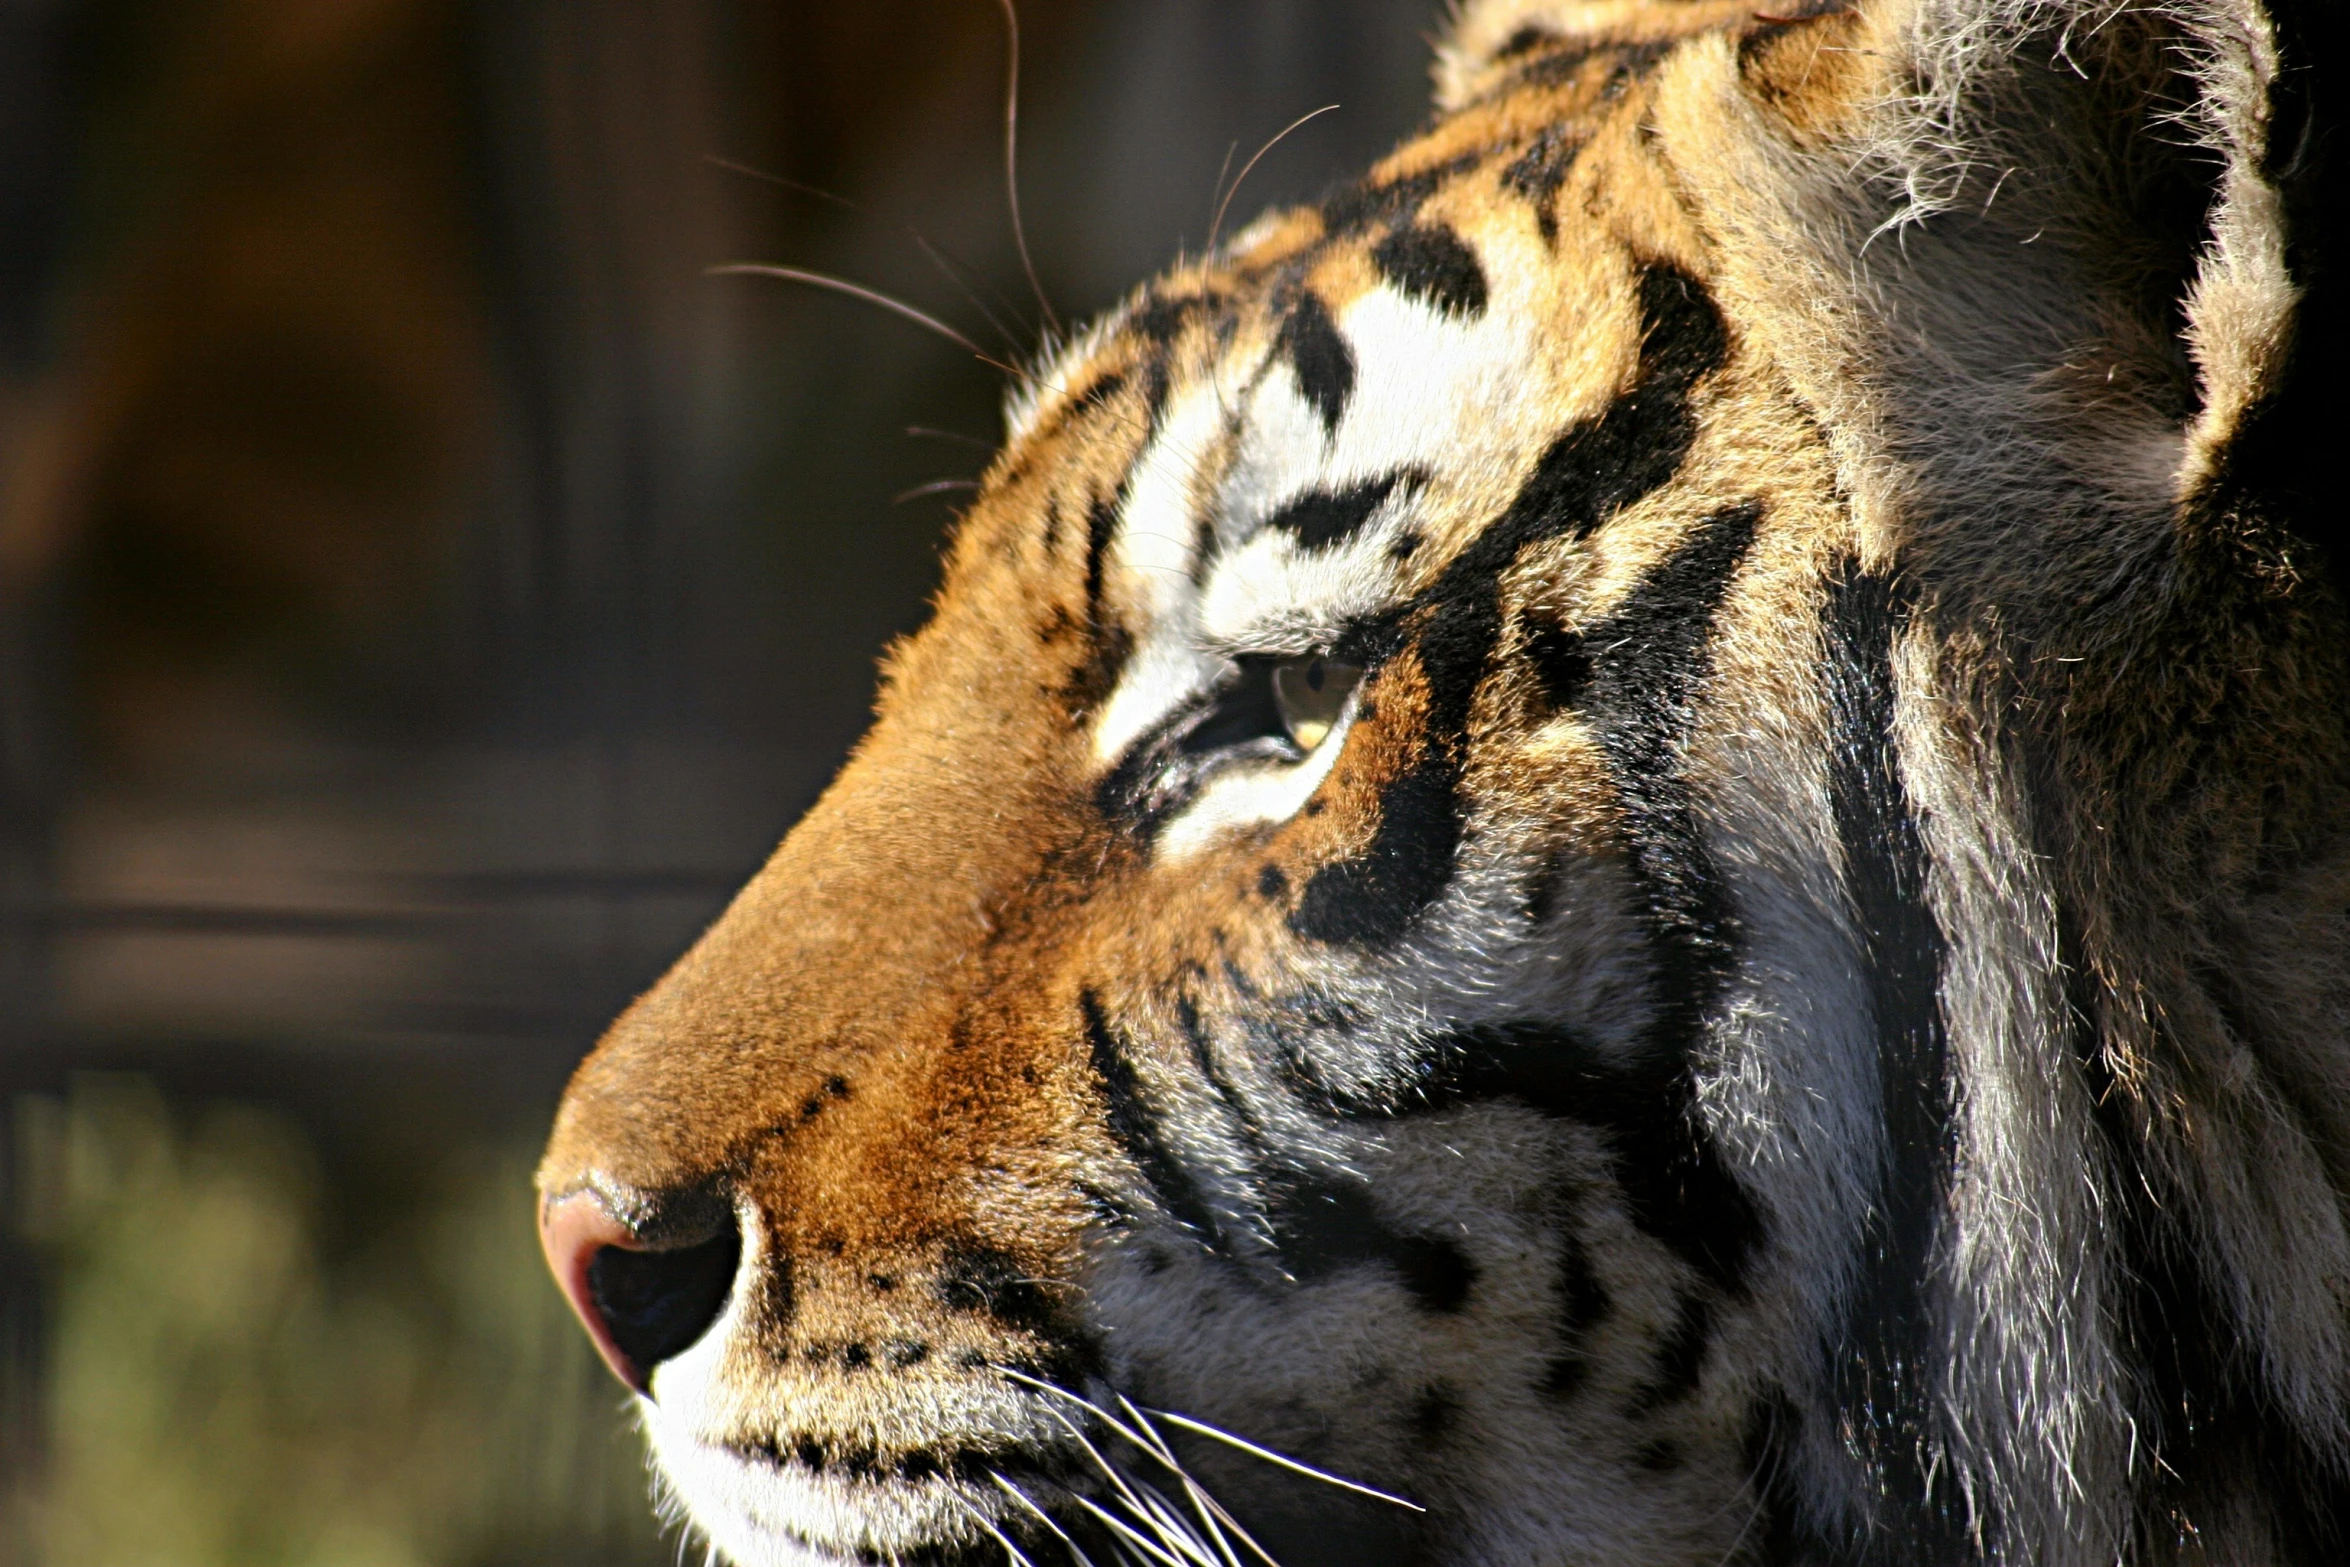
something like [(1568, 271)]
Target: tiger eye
[(1311, 693)]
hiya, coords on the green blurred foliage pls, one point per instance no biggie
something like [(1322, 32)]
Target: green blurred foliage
[(227, 1388)]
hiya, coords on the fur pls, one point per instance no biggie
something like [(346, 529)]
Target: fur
[(1798, 1015)]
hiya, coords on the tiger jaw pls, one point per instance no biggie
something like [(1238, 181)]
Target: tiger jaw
[(1091, 1473), (768, 1469), (856, 1447)]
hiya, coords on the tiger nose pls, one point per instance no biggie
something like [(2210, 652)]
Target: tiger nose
[(642, 1304)]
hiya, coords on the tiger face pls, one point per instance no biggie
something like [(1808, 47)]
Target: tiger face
[(1488, 883)]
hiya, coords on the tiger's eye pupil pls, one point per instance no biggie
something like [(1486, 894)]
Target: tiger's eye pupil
[(1312, 693)]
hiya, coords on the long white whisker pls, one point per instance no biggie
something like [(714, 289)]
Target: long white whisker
[(1123, 1532), (1082, 1402), (1271, 1457), (1018, 1557), (1142, 1423), (1212, 1516), (1231, 1524), (1176, 1530), (950, 266), (1043, 1517), (782, 181), (1218, 1519), (934, 487), (1109, 1470)]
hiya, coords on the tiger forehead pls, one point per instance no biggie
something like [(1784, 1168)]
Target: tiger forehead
[(1498, 259), (1555, 153)]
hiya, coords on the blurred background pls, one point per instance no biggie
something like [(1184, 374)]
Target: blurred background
[(424, 593)]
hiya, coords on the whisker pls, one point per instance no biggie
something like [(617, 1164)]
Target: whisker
[(950, 266), (1176, 1531), (1143, 1435), (1217, 226), (1271, 1457), (1126, 1534), (934, 487), (1043, 1517), (781, 181), (1012, 162), (1216, 196), (871, 296), (1015, 1557), (1211, 1514), (1108, 1469), (950, 435), (838, 285), (1225, 1523), (958, 272)]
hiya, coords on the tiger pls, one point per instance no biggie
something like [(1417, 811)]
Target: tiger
[(1627, 846)]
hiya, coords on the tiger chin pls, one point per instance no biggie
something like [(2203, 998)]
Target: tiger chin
[(1627, 848)]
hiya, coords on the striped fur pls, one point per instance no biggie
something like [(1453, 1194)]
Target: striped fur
[(1798, 1013)]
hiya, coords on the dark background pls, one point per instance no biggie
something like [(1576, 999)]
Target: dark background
[(424, 592)]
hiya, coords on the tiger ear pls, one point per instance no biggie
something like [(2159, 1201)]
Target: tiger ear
[(2042, 259), (2068, 254)]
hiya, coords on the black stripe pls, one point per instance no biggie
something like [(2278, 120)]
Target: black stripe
[(1319, 1224), (1648, 659), (1885, 1362), (1540, 170), (1108, 643), (1587, 475), (1324, 1225), (1674, 1183), (2219, 1446), (1524, 40), (1561, 660), (1680, 1357), (1583, 1303), (1370, 899), (1369, 203), (1203, 1058), (1101, 527), (1783, 1532), (1161, 318), (1626, 64), (1435, 265), (1318, 353), (1591, 472), (1136, 1127), (1321, 518)]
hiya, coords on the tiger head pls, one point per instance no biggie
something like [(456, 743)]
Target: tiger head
[(1634, 837)]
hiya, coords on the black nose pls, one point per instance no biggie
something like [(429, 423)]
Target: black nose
[(641, 1306), (656, 1303)]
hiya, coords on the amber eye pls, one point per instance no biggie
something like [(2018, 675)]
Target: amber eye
[(1311, 693)]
